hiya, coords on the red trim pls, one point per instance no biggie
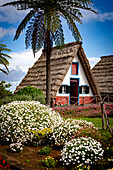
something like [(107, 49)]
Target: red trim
[(86, 100), (61, 100)]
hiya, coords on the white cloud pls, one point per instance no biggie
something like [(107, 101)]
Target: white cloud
[(19, 65), (23, 59), (11, 14), (4, 31), (106, 16), (93, 61), (91, 16)]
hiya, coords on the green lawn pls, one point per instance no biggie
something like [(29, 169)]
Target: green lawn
[(98, 121)]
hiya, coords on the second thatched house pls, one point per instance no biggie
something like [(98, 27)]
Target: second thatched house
[(72, 80), (103, 73)]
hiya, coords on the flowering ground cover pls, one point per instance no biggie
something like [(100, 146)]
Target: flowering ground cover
[(23, 124), (84, 111), (3, 164)]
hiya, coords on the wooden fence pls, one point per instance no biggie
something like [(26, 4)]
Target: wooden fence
[(96, 100), (83, 100)]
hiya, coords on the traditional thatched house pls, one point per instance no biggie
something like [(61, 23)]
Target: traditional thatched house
[(71, 77), (103, 73)]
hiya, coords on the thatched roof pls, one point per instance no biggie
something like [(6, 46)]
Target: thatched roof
[(60, 64), (103, 73)]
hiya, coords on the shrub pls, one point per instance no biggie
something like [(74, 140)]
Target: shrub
[(49, 162), (72, 128), (43, 137), (23, 97), (3, 89), (19, 117), (45, 151), (40, 98), (16, 147), (36, 94), (16, 97), (81, 150)]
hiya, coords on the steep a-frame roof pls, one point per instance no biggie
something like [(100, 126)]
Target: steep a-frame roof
[(103, 73), (61, 61)]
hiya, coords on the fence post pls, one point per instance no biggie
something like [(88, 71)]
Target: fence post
[(102, 111), (83, 101), (108, 98), (96, 99)]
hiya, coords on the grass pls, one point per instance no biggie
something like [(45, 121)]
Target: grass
[(97, 121)]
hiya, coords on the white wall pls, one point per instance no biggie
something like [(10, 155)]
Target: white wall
[(81, 76)]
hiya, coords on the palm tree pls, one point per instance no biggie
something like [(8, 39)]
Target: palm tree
[(3, 57), (44, 25)]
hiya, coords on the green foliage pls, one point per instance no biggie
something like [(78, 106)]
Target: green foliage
[(27, 160), (35, 93), (21, 97), (15, 97), (45, 151), (3, 89), (3, 57), (49, 162), (43, 137)]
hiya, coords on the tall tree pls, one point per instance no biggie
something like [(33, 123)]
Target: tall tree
[(44, 25), (4, 57)]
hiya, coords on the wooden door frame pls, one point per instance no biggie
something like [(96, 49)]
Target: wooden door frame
[(78, 79)]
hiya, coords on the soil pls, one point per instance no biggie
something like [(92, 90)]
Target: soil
[(31, 158)]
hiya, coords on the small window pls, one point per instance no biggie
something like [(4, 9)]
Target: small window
[(84, 89), (64, 89), (75, 68)]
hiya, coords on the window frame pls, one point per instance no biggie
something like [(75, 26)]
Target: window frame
[(86, 90), (77, 69)]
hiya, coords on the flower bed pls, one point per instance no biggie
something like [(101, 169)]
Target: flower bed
[(81, 150), (17, 119), (28, 123), (84, 111), (3, 164)]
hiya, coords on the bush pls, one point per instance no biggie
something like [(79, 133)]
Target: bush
[(35, 93), (18, 118), (49, 162), (21, 97), (72, 128), (45, 151), (81, 150), (16, 147), (15, 97), (3, 89), (40, 98)]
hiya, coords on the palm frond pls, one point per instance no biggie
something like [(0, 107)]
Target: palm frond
[(4, 49), (72, 25), (5, 64), (4, 71), (21, 5), (59, 37), (55, 21), (23, 24), (2, 54), (38, 35)]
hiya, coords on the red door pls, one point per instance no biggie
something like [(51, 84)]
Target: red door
[(73, 91)]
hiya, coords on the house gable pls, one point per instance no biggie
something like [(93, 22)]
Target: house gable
[(61, 61), (103, 73)]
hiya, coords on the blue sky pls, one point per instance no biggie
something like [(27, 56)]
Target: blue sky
[(96, 31)]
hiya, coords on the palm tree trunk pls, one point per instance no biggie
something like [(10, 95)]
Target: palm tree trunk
[(48, 69)]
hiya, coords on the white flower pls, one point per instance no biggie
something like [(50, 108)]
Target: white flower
[(84, 151)]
